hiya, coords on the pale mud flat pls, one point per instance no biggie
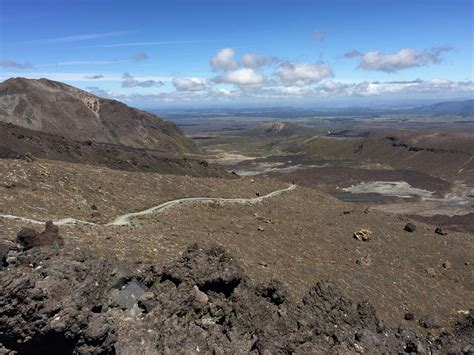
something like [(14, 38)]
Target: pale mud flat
[(231, 158), (400, 189), (267, 168), (227, 158), (459, 201)]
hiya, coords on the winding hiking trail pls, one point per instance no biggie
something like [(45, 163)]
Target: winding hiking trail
[(125, 220)]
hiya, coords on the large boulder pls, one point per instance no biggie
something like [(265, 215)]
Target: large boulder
[(29, 238)]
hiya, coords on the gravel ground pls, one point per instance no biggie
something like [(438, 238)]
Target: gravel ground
[(299, 237)]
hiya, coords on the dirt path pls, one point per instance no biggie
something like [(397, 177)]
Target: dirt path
[(125, 219)]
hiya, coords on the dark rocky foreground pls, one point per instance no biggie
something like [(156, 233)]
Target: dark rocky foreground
[(58, 300)]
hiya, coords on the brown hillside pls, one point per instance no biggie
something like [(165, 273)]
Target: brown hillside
[(57, 108)]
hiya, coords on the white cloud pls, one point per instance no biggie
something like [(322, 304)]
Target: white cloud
[(224, 60), (250, 60), (291, 73), (403, 59), (440, 82), (331, 86), (248, 71), (242, 76), (409, 87), (327, 89), (190, 84)]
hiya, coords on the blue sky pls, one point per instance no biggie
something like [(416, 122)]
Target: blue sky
[(229, 52)]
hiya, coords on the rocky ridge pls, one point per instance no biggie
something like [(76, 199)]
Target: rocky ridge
[(60, 109)]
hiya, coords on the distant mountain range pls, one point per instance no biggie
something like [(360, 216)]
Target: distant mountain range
[(464, 108)]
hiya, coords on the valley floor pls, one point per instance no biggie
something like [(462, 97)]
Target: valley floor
[(298, 237), (427, 175)]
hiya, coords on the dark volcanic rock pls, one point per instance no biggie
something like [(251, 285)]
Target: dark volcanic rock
[(409, 316), (410, 227), (461, 340), (47, 304), (430, 321), (212, 272), (203, 302), (440, 231), (29, 238), (5, 247)]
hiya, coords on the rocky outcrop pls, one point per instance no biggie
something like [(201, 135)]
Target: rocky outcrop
[(29, 238), (203, 302)]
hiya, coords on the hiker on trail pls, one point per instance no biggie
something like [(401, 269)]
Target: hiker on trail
[(258, 194)]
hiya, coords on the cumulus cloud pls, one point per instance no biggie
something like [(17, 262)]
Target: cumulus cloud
[(325, 89), (250, 60), (242, 76), (330, 86), (411, 87), (246, 72), (130, 82), (224, 60), (291, 73), (318, 35), (140, 57), (403, 59), (190, 84), (7, 63), (94, 77)]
